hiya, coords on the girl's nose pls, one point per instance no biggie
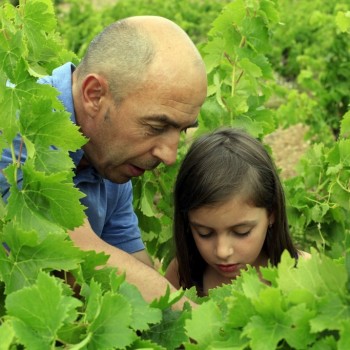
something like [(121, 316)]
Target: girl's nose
[(224, 247)]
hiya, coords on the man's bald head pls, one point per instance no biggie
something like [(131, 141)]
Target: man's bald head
[(126, 50)]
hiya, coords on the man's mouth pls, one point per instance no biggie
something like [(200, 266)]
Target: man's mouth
[(136, 171)]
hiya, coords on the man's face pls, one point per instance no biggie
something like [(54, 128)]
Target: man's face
[(144, 129)]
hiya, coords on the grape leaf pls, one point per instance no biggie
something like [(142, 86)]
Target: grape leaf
[(7, 335), (332, 311), (168, 299), (38, 19), (44, 199), (38, 322), (316, 275), (344, 341), (111, 327), (343, 20), (145, 344), (300, 336), (28, 255), (147, 199), (345, 126), (46, 127), (169, 333), (205, 325), (142, 314)]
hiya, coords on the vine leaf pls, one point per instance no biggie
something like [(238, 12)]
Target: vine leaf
[(142, 313), (44, 200), (111, 326), (36, 323), (206, 314), (28, 255)]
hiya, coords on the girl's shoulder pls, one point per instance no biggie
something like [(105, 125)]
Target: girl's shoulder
[(304, 255), (172, 273)]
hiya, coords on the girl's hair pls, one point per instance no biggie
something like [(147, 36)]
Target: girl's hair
[(219, 165)]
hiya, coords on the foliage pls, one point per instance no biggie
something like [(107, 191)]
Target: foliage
[(238, 69), (40, 308), (301, 308), (304, 307), (319, 196), (193, 16), (312, 52)]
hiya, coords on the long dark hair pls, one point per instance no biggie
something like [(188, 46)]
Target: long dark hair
[(217, 166)]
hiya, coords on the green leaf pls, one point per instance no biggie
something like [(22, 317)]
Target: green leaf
[(266, 333), (145, 344), (49, 160), (318, 275), (345, 126), (344, 341), (169, 333), (8, 107), (111, 326), (250, 68), (93, 296), (270, 10), (142, 314), (299, 335), (7, 335), (38, 20), (214, 54), (240, 309), (29, 255), (45, 127), (232, 14), (168, 299), (205, 325), (343, 20), (44, 199), (332, 311), (252, 285), (147, 199), (38, 322), (344, 151)]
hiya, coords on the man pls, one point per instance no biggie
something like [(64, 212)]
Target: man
[(141, 83)]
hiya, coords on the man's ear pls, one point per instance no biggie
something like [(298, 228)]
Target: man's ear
[(94, 89)]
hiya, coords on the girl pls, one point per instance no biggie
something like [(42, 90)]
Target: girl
[(229, 211)]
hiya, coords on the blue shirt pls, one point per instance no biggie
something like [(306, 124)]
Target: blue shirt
[(109, 205)]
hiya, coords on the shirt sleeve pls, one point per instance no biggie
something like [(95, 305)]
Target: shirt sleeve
[(121, 226)]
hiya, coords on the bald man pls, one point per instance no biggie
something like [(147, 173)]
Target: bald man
[(141, 83)]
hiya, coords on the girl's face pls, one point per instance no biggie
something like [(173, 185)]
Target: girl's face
[(230, 235)]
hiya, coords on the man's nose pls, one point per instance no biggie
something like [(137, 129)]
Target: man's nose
[(166, 149)]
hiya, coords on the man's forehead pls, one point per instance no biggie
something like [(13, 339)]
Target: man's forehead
[(163, 118)]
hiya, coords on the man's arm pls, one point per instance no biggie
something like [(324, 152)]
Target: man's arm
[(143, 257), (150, 283)]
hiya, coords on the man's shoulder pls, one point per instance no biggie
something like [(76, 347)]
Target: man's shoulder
[(64, 69)]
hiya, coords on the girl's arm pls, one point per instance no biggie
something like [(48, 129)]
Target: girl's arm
[(172, 273)]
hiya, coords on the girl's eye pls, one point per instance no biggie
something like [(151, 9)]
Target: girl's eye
[(242, 234), (204, 234)]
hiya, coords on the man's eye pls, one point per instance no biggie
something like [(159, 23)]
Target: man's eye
[(157, 129)]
